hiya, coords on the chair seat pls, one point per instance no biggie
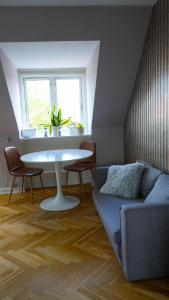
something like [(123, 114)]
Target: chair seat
[(26, 171), (78, 167)]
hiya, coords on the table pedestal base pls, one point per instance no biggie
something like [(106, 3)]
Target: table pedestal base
[(60, 203)]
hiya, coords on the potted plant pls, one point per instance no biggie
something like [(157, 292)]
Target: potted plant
[(56, 121), (76, 128), (80, 128)]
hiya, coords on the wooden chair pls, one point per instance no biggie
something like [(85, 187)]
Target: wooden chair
[(17, 169), (82, 165)]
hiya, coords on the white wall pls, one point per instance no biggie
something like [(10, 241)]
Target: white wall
[(8, 130), (11, 77), (91, 76), (6, 139), (109, 145)]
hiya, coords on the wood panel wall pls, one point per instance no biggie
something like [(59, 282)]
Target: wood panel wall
[(147, 123)]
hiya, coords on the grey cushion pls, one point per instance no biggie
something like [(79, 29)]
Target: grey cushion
[(149, 178), (160, 191), (123, 180), (100, 175), (108, 207)]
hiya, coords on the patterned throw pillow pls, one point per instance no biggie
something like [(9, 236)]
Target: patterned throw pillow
[(124, 180)]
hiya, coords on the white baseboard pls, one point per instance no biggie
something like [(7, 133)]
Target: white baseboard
[(7, 190), (49, 180)]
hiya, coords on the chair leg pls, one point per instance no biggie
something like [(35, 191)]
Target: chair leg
[(81, 183), (42, 185), (67, 174), (31, 186), (12, 189), (22, 184)]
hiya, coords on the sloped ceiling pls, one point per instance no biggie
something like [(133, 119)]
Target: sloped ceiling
[(120, 30), (75, 2), (48, 55)]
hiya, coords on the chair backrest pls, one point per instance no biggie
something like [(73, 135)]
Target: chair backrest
[(91, 146), (13, 159)]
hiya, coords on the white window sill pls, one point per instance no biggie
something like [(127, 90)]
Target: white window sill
[(55, 137)]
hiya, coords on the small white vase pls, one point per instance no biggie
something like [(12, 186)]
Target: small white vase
[(72, 130), (56, 131)]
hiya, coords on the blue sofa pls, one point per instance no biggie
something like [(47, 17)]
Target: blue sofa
[(138, 229)]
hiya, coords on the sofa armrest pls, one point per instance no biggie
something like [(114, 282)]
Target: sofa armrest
[(100, 176), (145, 240)]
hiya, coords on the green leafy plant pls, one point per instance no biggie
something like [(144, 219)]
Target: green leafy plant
[(76, 124), (56, 119), (79, 125)]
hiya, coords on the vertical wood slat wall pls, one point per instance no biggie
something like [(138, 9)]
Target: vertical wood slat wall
[(146, 127)]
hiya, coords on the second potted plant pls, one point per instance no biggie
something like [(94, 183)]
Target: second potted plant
[(80, 128), (76, 128)]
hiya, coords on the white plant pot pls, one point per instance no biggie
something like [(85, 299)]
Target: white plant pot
[(72, 130), (80, 131), (76, 131), (56, 131)]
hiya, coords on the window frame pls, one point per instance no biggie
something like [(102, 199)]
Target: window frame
[(52, 76)]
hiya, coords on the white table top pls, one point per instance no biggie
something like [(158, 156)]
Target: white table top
[(56, 155)]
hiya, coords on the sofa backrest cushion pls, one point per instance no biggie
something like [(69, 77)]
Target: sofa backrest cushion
[(149, 178), (160, 191)]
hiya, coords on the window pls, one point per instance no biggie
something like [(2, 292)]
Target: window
[(40, 91)]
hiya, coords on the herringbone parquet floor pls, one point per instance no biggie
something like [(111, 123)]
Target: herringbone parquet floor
[(62, 256)]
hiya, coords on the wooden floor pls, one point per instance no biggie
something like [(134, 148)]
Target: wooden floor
[(62, 256)]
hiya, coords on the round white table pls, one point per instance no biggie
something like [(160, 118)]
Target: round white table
[(59, 202)]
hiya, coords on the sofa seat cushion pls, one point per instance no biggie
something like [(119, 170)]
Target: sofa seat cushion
[(108, 207), (160, 191)]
